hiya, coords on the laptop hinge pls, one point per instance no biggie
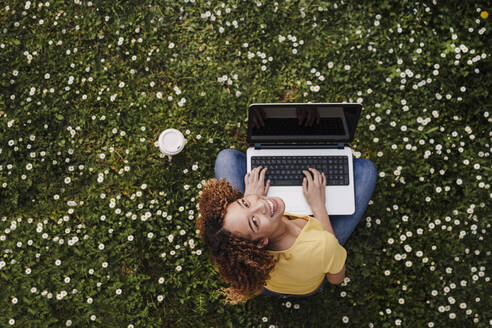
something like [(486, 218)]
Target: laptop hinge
[(339, 145)]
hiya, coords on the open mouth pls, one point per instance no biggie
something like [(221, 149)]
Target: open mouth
[(273, 206)]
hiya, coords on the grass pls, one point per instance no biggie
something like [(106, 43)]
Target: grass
[(97, 228)]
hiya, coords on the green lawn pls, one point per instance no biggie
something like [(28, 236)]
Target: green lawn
[(97, 227)]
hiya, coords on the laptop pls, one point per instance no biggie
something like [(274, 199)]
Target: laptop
[(290, 137)]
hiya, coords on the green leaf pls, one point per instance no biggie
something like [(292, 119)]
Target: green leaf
[(432, 130)]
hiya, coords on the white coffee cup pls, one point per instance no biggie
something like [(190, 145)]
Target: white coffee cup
[(171, 142)]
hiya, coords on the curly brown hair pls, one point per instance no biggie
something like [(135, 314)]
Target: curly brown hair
[(239, 261)]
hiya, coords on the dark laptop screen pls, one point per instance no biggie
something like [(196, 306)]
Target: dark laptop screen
[(302, 123)]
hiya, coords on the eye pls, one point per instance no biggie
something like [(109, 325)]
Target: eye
[(254, 221), (245, 203)]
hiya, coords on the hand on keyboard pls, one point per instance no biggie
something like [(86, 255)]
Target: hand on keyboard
[(254, 182), (287, 170), (313, 188)]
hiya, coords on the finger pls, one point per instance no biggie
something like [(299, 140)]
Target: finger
[(246, 178), (323, 179), (253, 175), (314, 172), (308, 177), (304, 185), (316, 175), (262, 173), (267, 187)]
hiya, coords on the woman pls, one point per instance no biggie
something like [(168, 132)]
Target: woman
[(258, 248)]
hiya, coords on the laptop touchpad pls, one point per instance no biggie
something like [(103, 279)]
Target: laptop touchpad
[(293, 198)]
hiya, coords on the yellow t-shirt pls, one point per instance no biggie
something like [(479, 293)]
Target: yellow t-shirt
[(302, 268)]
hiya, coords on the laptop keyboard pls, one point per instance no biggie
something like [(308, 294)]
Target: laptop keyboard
[(287, 170)]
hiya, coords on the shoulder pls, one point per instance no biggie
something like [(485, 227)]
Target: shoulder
[(299, 222), (328, 239)]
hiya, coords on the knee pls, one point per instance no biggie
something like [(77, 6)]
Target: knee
[(229, 157), (369, 168), (226, 155)]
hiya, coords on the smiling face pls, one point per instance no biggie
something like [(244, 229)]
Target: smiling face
[(254, 217)]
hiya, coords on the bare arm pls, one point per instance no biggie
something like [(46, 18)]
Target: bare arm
[(322, 215), (314, 191), (336, 278)]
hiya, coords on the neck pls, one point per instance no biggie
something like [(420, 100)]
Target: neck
[(281, 233)]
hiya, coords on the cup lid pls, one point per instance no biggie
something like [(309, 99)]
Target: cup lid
[(171, 141)]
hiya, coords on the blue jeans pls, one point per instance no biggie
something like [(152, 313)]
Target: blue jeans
[(231, 165)]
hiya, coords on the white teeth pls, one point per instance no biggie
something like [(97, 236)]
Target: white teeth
[(271, 205)]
